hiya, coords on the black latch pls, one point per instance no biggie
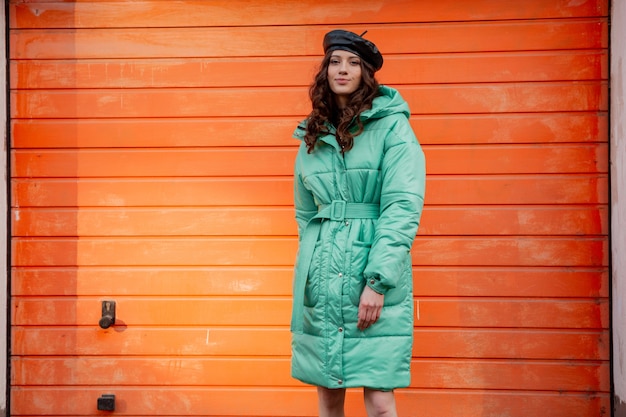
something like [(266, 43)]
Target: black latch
[(106, 402), (108, 314)]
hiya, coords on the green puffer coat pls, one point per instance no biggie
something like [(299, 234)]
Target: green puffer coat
[(357, 216)]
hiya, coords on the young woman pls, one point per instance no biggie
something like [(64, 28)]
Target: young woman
[(359, 190)]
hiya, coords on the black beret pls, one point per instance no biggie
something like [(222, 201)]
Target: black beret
[(351, 42)]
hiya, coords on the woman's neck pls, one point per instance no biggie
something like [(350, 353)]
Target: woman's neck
[(341, 101)]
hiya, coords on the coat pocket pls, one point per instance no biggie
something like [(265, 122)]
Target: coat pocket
[(312, 287), (398, 294), (358, 261)]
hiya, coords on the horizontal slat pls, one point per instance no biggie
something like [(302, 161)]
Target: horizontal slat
[(516, 159), (505, 98), (429, 343), (46, 14), (201, 221), (287, 402), (157, 251), (466, 374), (445, 129), (258, 311), (495, 67), (176, 192), (271, 72), (516, 282), (479, 281), (165, 281), (475, 159), (527, 220), (518, 190), (510, 344), (155, 163), (518, 251), (213, 221), (456, 251), (450, 374), (227, 102), (171, 192), (190, 42)]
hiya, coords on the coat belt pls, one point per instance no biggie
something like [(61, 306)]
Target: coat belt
[(337, 210)]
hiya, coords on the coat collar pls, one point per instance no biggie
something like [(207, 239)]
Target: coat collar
[(328, 138)]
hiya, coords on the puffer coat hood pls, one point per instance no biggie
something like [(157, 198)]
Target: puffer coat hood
[(357, 214)]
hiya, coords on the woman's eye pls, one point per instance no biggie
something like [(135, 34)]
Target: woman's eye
[(355, 63), (334, 61)]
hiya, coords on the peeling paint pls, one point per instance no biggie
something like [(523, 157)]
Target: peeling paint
[(619, 407)]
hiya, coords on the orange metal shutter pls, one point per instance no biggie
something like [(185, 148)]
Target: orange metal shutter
[(151, 162)]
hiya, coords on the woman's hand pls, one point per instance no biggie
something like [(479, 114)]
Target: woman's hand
[(370, 307)]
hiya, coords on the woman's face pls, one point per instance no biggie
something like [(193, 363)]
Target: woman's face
[(344, 75)]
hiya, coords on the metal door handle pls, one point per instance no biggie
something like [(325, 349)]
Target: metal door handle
[(108, 314)]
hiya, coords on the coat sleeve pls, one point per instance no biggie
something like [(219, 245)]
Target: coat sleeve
[(304, 202), (403, 176)]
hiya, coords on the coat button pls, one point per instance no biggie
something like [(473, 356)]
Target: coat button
[(347, 223), (340, 275), (340, 329), (340, 382), (372, 281)]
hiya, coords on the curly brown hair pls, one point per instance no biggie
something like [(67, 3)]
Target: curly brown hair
[(325, 109)]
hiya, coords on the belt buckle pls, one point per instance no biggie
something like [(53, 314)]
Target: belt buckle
[(337, 210)]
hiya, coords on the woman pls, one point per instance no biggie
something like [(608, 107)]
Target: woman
[(359, 188)]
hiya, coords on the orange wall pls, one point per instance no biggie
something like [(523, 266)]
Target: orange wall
[(151, 159)]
